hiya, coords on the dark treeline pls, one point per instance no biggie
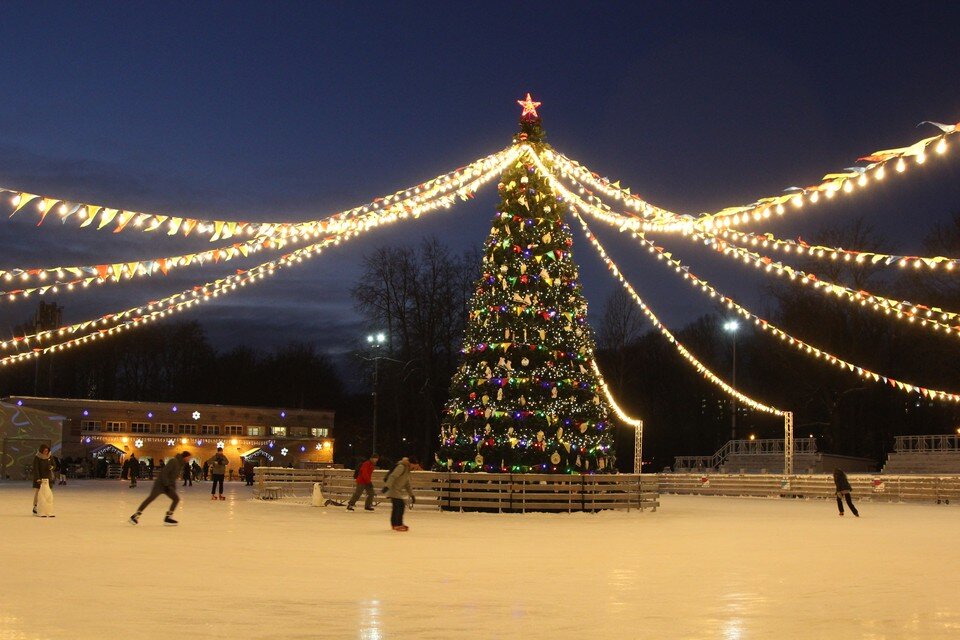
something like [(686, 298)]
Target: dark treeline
[(176, 363)]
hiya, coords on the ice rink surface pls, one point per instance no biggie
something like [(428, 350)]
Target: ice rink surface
[(699, 567)]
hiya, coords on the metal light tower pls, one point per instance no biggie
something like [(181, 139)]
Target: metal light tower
[(375, 341), (731, 327)]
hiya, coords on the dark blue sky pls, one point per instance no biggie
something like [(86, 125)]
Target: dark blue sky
[(297, 110)]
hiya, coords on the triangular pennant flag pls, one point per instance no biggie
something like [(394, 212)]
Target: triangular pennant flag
[(123, 220), (117, 270), (92, 210), (217, 230), (188, 225), (174, 226), (106, 217), (162, 265), (103, 270), (157, 221), (25, 198), (132, 268)]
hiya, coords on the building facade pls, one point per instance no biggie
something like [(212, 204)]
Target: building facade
[(156, 431)]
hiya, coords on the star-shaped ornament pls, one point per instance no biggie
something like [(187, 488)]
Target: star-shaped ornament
[(529, 107)]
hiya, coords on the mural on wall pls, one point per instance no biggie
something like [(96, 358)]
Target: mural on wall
[(22, 431)]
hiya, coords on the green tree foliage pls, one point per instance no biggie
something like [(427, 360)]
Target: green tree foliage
[(525, 397)]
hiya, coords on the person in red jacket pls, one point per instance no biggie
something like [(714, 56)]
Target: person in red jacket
[(364, 483)]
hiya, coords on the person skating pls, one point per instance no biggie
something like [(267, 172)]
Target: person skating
[(133, 470), (187, 474), (842, 485), (364, 483), (398, 482), (42, 470), (166, 484), (218, 469)]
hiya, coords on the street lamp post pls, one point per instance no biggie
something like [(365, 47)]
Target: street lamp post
[(731, 327), (375, 340)]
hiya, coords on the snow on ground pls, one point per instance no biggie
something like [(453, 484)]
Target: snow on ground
[(699, 567)]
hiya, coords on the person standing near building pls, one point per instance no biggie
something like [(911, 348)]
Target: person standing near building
[(364, 483), (187, 474), (398, 483), (218, 469), (42, 470), (133, 469), (842, 485), (206, 468), (248, 474), (166, 484)]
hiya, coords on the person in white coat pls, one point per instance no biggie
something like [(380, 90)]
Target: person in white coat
[(398, 483)]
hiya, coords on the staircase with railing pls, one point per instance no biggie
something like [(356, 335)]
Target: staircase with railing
[(938, 454), (749, 456)]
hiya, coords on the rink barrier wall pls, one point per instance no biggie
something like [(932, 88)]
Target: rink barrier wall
[(887, 488), (500, 492)]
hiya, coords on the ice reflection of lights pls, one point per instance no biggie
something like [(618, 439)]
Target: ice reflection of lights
[(370, 621)]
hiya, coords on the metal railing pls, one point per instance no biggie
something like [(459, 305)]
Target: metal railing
[(766, 446), (927, 444), (502, 492), (899, 488)]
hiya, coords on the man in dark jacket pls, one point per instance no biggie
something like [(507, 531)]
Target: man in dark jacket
[(133, 470), (364, 483), (842, 485), (166, 484), (218, 467)]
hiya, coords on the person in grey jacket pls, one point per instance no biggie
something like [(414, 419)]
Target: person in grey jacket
[(398, 483), (166, 484), (42, 470), (218, 469)]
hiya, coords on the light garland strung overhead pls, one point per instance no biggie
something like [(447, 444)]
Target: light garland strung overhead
[(105, 273), (867, 374), (136, 316), (701, 368), (122, 219), (934, 317), (846, 182), (838, 254)]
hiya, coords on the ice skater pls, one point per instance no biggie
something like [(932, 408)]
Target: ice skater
[(398, 482), (218, 469), (42, 470), (187, 474), (133, 470), (364, 483), (843, 488), (166, 484)]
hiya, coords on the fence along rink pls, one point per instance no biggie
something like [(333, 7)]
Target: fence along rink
[(889, 488), (501, 492)]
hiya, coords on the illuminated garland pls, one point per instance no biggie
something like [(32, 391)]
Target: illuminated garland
[(657, 219), (835, 254), (620, 413), (922, 314), (655, 321), (104, 273), (121, 219), (158, 309), (933, 394)]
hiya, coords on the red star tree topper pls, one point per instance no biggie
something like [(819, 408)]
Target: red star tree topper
[(529, 108)]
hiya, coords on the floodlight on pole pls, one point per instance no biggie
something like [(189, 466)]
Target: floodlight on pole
[(731, 327)]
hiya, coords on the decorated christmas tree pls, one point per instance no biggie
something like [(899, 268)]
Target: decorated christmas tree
[(525, 397)]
